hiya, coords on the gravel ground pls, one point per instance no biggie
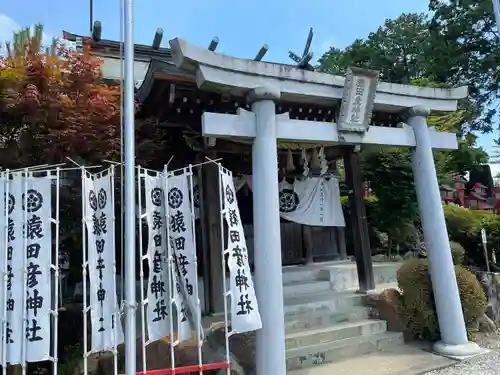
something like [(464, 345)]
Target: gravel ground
[(486, 364)]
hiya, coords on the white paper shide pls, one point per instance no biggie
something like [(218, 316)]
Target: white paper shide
[(245, 316), (98, 214), (157, 294)]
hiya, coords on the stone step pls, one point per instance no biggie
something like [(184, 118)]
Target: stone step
[(336, 332), (326, 302), (345, 276), (315, 355), (300, 322), (298, 288), (292, 274)]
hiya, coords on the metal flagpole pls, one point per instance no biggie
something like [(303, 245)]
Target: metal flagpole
[(129, 200)]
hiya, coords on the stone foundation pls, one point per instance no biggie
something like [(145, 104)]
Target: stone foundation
[(491, 285)]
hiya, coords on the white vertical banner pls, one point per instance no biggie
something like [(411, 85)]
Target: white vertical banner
[(245, 316), (157, 294), (182, 323), (182, 242), (99, 209), (3, 260), (14, 335), (36, 203)]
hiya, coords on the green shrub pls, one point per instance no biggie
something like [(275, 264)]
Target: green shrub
[(457, 253), (464, 226), (491, 223), (370, 203), (460, 221), (418, 300)]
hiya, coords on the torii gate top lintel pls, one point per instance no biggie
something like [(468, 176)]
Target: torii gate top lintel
[(360, 89), (238, 76)]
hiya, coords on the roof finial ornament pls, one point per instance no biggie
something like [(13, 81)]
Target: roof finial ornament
[(303, 62), (97, 31), (261, 52), (157, 39), (213, 44)]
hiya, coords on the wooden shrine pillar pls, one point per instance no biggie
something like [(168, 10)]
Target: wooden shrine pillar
[(205, 245), (211, 217), (307, 244), (341, 244), (359, 222)]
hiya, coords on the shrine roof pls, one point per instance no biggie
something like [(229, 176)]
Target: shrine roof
[(215, 72), (478, 197)]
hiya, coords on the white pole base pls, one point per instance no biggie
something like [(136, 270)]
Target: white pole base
[(462, 351)]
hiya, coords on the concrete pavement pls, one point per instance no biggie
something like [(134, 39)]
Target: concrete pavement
[(408, 359)]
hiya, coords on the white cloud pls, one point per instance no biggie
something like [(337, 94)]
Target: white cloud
[(8, 27)]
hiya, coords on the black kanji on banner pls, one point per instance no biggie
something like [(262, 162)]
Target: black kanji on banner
[(100, 228), (32, 201), (157, 287)]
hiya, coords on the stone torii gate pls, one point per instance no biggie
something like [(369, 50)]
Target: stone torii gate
[(263, 84)]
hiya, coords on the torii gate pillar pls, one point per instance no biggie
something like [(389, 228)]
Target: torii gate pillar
[(270, 348), (442, 272)]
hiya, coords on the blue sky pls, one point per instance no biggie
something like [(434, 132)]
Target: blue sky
[(242, 27)]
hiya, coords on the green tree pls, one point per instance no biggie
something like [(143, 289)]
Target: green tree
[(458, 45), (466, 50), (404, 51), (468, 155), (395, 50), (410, 50), (391, 179)]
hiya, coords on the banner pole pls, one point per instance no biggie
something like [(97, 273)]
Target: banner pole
[(129, 200)]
